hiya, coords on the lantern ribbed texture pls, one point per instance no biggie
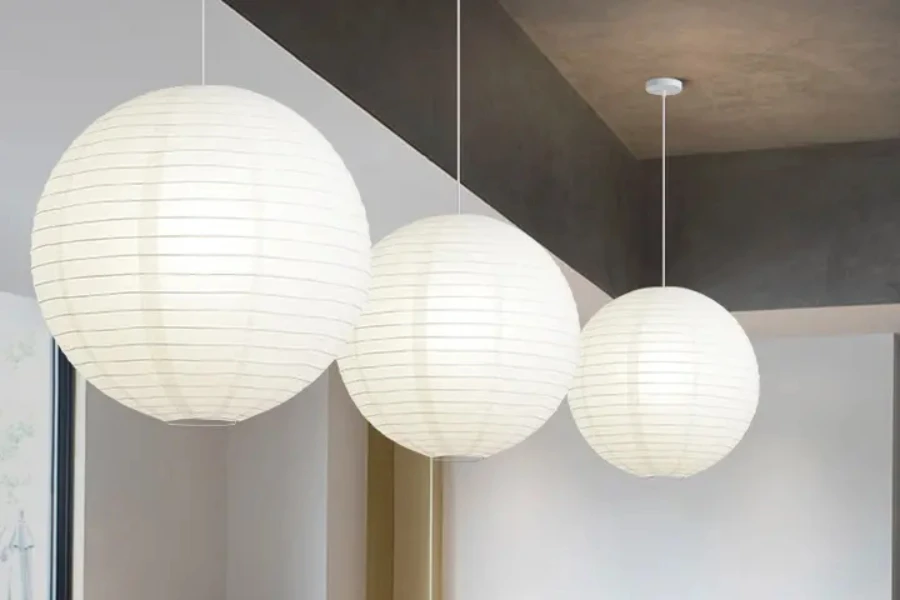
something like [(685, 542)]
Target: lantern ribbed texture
[(469, 341), (668, 382), (201, 253)]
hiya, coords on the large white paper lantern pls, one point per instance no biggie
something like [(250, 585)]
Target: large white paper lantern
[(668, 382), (469, 341), (201, 253)]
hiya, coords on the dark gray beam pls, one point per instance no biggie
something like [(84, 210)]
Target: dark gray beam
[(755, 230), (805, 227), (537, 152), (532, 147)]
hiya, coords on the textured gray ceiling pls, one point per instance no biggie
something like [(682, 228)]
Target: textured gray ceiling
[(761, 73)]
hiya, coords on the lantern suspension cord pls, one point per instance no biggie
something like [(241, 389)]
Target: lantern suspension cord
[(430, 528), (664, 189), (458, 107), (202, 42)]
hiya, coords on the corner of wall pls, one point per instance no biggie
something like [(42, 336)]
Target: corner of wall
[(895, 477), (151, 499), (78, 504), (345, 506), (277, 500)]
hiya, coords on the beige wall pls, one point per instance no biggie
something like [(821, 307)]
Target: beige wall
[(404, 531), (154, 501), (380, 518), (413, 499)]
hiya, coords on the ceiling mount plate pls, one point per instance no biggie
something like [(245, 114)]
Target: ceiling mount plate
[(664, 86)]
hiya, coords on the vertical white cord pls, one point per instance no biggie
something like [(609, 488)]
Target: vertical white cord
[(430, 528), (664, 189), (458, 107), (203, 42)]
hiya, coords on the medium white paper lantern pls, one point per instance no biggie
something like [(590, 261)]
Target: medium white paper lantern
[(469, 341), (668, 382), (201, 253)]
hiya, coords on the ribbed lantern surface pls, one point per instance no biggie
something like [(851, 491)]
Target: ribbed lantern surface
[(668, 382), (201, 253), (469, 341)]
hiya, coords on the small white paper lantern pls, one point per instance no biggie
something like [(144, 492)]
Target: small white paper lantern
[(469, 341), (201, 253), (668, 382)]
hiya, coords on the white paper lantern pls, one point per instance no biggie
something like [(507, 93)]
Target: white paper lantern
[(201, 253), (668, 382), (469, 341)]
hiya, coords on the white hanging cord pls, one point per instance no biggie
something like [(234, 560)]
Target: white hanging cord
[(665, 87), (458, 106), (430, 528), (664, 189), (431, 490), (203, 42)]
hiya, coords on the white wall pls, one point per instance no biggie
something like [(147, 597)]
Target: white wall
[(276, 524), (155, 507), (801, 510), (237, 513), (296, 521)]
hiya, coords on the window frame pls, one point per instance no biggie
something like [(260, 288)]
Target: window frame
[(63, 473)]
